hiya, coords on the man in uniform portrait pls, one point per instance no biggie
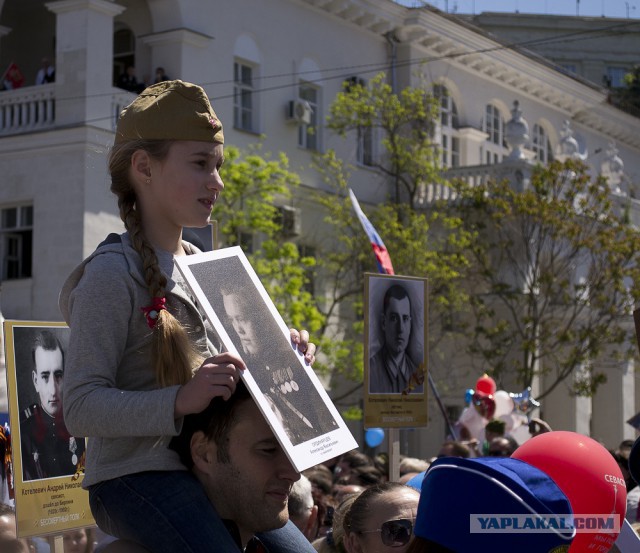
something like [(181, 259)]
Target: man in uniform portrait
[(391, 368), (48, 450)]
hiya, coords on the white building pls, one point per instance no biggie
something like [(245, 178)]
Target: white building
[(254, 59)]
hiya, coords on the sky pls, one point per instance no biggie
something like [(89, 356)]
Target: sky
[(592, 8)]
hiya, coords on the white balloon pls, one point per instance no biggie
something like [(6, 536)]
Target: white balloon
[(504, 404)]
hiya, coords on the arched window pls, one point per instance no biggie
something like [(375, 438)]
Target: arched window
[(540, 144), (449, 140)]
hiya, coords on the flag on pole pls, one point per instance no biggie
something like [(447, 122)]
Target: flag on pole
[(379, 249)]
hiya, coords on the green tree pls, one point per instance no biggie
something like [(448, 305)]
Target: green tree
[(421, 241), (552, 274)]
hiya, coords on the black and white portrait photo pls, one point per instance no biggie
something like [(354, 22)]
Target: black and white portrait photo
[(46, 447), (248, 323), (396, 335)]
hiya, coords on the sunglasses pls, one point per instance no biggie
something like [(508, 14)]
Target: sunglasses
[(394, 533)]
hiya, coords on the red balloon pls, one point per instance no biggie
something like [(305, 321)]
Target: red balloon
[(587, 474), (486, 385)]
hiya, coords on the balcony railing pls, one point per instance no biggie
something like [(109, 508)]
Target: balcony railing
[(33, 108), (27, 109)]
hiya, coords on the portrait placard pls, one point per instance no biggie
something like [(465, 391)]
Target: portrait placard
[(285, 387), (395, 376), (48, 463)]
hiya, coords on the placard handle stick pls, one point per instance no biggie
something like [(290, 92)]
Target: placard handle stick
[(394, 454), (58, 544)]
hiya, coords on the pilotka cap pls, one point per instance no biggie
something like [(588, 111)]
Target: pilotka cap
[(170, 110)]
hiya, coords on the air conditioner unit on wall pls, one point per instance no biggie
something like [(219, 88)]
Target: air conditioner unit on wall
[(299, 111), (291, 220)]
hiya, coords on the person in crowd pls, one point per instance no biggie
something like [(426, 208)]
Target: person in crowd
[(381, 517), (391, 368), (342, 491), (412, 465), (129, 81), (502, 446), (451, 448), (246, 474), (9, 542), (321, 480), (364, 476), (348, 461), (46, 73), (303, 512), (446, 511), (141, 355), (160, 75), (48, 449), (332, 541), (80, 540)]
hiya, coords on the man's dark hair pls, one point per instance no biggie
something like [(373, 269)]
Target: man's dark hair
[(397, 292), (215, 421), (48, 341)]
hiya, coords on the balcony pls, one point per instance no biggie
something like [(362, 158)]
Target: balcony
[(33, 109)]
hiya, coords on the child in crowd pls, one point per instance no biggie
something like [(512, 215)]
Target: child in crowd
[(141, 354)]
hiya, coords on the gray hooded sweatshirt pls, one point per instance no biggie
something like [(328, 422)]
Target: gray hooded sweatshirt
[(111, 395)]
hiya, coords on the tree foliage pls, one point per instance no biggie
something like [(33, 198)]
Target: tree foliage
[(553, 271)]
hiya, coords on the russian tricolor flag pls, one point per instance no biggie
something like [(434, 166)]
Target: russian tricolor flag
[(379, 249)]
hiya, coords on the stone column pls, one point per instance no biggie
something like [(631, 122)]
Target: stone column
[(84, 61), (173, 49)]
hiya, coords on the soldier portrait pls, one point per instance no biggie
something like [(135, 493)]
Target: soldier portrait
[(256, 336), (47, 448), (396, 347)]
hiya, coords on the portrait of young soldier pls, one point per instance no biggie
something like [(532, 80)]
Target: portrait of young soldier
[(391, 368), (47, 448)]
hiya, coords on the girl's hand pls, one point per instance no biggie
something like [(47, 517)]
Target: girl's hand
[(216, 377), (301, 338)]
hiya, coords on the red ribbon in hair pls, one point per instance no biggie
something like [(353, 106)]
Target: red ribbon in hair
[(152, 311)]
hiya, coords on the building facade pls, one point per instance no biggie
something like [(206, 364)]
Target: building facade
[(277, 81)]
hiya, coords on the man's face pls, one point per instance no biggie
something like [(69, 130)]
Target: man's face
[(244, 327), (252, 488), (47, 379), (396, 324)]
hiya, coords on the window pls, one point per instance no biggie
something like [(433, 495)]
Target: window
[(366, 152), (449, 141), (540, 144), (308, 133), (615, 76), (243, 97), (16, 248), (495, 146)]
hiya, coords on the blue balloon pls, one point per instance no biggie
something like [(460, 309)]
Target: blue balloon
[(468, 396), (374, 437)]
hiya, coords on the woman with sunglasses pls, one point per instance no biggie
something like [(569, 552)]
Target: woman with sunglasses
[(381, 519)]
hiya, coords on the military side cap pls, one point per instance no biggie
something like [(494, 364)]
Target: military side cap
[(493, 504), (170, 110)]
